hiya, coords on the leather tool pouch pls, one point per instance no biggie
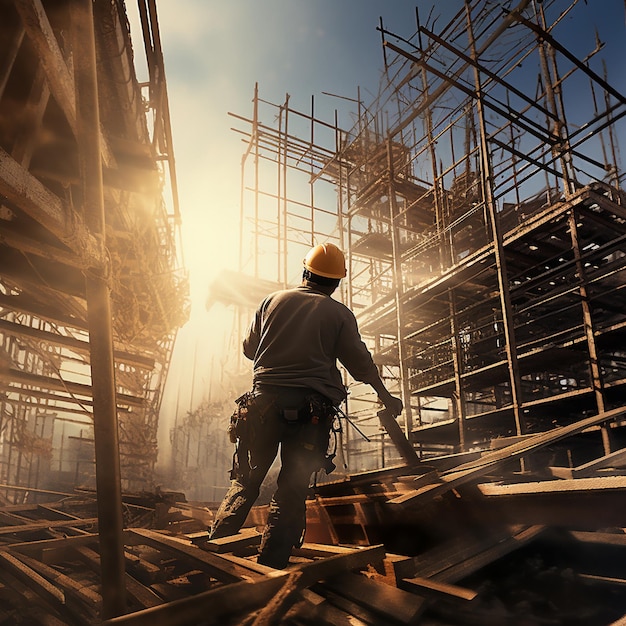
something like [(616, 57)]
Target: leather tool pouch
[(239, 420)]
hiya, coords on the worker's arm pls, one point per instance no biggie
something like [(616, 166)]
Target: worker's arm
[(392, 403), (357, 359), (253, 337)]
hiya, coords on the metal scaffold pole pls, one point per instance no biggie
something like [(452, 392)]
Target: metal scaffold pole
[(108, 476)]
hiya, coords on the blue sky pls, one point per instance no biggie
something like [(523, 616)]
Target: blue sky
[(215, 51)]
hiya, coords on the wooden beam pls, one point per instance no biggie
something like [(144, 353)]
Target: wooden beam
[(210, 607), (437, 590), (36, 548), (84, 593), (488, 554), (275, 609), (470, 471), (142, 594), (46, 46), (555, 487), (33, 115), (32, 579), (26, 192), (60, 80), (393, 605), (617, 540), (246, 537), (22, 304), (9, 58), (323, 612), (614, 459), (35, 526), (222, 569), (38, 248), (20, 330), (239, 597), (12, 375)]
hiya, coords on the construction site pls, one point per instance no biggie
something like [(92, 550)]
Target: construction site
[(477, 197)]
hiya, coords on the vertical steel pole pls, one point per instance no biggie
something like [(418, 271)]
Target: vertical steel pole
[(458, 399), (594, 361), (397, 283), (498, 246), (108, 479)]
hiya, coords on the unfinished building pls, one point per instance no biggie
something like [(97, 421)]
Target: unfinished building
[(61, 226), (478, 198)]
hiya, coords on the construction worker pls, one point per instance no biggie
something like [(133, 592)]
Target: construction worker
[(295, 339)]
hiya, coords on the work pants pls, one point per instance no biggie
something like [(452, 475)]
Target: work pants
[(303, 444)]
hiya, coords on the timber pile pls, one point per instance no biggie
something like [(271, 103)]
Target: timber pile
[(171, 581), (441, 544)]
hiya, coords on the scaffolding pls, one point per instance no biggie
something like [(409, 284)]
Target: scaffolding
[(478, 198), (64, 263)]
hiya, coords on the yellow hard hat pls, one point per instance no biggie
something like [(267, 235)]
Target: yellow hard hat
[(326, 260)]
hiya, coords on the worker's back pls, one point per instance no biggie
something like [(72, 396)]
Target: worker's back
[(294, 340)]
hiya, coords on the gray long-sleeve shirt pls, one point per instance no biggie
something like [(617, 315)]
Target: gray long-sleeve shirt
[(296, 337)]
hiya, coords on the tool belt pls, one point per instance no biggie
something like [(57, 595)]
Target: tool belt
[(305, 409)]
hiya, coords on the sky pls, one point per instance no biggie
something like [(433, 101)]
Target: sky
[(215, 51)]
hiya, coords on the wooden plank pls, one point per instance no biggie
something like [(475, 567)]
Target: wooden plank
[(10, 530), (469, 566), (223, 569), (245, 538), (390, 603), (396, 434), (207, 608), (503, 442), (144, 570), (61, 544), (395, 567), (414, 482), (606, 539), (212, 607), (356, 559), (32, 579), (354, 610), (320, 550), (255, 570), (42, 37), (27, 606), (437, 590), (86, 594), (11, 519), (544, 438), (24, 190), (449, 461), (434, 563), (615, 459), (580, 485), (566, 473), (325, 614), (62, 514), (472, 470), (144, 596), (594, 579)]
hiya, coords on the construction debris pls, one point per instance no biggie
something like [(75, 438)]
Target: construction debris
[(461, 560), (484, 223)]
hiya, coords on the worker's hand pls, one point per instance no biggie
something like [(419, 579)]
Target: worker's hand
[(393, 405)]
